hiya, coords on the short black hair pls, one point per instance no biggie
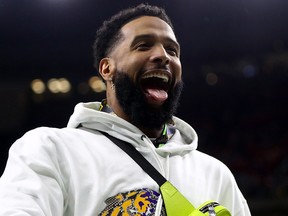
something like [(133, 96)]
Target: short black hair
[(109, 33)]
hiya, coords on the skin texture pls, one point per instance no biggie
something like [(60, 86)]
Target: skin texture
[(148, 46)]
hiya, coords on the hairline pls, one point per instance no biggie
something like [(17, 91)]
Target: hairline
[(119, 36)]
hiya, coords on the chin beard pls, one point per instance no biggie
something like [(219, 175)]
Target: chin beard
[(133, 102)]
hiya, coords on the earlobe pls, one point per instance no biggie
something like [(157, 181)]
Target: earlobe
[(106, 68)]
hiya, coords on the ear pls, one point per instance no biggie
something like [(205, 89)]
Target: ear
[(106, 68)]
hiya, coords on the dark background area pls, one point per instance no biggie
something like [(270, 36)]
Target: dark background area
[(235, 69)]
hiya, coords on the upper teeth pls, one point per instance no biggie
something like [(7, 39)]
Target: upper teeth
[(164, 77)]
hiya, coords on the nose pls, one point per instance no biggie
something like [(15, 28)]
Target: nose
[(160, 55)]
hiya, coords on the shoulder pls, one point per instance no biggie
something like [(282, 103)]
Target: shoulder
[(50, 134), (221, 183), (56, 141), (208, 159), (213, 167), (43, 139), (42, 134)]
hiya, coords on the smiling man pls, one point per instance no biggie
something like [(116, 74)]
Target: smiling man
[(143, 74), (78, 171)]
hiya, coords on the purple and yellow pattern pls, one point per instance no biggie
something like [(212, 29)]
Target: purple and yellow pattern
[(140, 202)]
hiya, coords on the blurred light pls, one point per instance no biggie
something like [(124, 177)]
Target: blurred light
[(53, 85), (97, 84), (249, 71), (38, 86), (211, 79), (61, 85), (64, 85)]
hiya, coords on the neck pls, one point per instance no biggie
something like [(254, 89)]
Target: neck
[(150, 132), (113, 103)]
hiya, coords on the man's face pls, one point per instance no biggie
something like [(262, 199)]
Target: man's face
[(149, 54), (147, 71)]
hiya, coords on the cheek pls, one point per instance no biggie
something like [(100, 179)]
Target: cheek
[(126, 63), (131, 68), (135, 66), (178, 70)]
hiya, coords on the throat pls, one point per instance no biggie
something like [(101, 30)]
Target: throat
[(152, 132), (162, 138)]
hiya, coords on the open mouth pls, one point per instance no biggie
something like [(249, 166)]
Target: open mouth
[(155, 86)]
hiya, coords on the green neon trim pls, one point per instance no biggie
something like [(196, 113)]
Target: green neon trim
[(175, 203)]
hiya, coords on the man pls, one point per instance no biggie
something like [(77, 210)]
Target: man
[(78, 171)]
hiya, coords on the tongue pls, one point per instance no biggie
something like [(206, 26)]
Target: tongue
[(157, 94)]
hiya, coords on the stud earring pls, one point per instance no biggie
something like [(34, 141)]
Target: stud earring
[(112, 84)]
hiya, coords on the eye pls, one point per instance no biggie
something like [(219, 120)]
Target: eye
[(172, 51), (143, 46)]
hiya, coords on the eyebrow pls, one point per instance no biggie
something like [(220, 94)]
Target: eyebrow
[(151, 36)]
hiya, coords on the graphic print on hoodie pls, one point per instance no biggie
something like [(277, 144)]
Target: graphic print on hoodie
[(141, 202)]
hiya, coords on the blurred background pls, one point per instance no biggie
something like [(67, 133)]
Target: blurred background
[(235, 69)]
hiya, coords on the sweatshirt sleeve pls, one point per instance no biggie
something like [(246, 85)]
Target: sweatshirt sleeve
[(31, 183), (232, 195), (242, 207)]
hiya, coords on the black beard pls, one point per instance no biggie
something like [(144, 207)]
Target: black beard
[(133, 102)]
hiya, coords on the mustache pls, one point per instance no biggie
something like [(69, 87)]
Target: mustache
[(157, 66)]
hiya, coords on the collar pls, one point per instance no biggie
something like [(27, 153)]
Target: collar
[(167, 132), (104, 107)]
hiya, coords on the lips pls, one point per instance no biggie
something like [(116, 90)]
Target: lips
[(155, 85)]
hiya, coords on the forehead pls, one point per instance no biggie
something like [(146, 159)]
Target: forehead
[(148, 25)]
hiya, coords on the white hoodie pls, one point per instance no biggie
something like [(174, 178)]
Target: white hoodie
[(72, 171)]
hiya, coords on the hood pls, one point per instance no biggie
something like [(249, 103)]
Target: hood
[(89, 116)]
